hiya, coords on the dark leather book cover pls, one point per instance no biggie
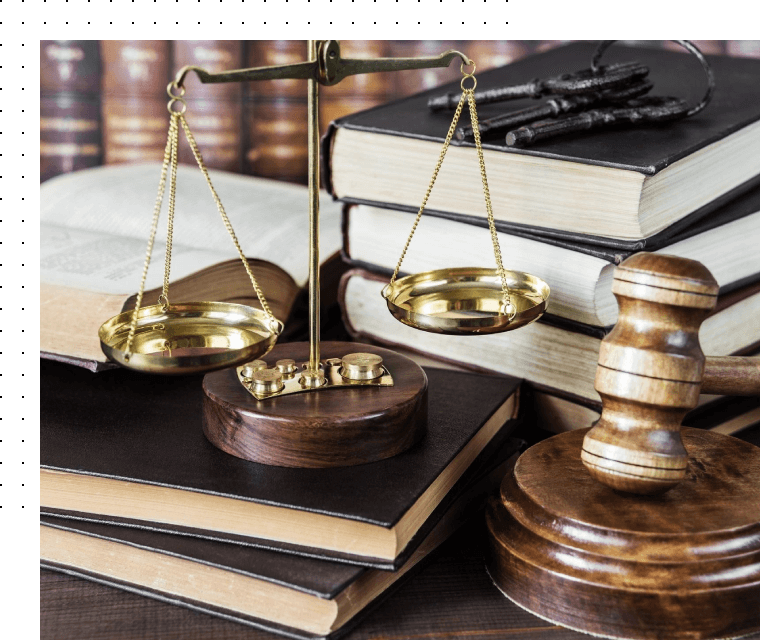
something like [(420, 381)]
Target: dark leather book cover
[(313, 576), (643, 149), (147, 429)]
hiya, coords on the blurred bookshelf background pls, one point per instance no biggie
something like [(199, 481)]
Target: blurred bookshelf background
[(104, 102)]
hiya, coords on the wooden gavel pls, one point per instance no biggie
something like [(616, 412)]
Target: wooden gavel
[(652, 370)]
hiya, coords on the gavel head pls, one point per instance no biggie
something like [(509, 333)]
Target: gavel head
[(650, 372)]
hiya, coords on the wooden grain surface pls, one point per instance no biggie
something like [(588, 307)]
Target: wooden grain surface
[(650, 370), (331, 428), (682, 565)]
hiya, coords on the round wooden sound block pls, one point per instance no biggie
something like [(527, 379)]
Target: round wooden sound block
[(325, 428), (681, 565)]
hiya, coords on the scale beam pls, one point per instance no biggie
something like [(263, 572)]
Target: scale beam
[(328, 68)]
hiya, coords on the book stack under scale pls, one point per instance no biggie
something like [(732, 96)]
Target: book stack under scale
[(567, 210), (134, 496)]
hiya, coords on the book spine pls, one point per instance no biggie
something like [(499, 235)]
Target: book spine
[(135, 119), (214, 111), (71, 69), (70, 137), (275, 115), (69, 66)]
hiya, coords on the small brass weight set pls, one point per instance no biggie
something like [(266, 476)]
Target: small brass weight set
[(261, 410)]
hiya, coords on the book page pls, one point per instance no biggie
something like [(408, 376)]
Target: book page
[(270, 218), (108, 263)]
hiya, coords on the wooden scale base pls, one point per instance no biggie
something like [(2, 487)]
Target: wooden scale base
[(326, 428), (681, 565)]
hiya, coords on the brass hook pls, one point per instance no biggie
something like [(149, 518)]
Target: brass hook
[(179, 79)]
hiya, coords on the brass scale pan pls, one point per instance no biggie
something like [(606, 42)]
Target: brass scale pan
[(190, 337), (465, 301), (194, 337), (202, 336)]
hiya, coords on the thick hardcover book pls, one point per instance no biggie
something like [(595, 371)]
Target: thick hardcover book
[(130, 448), (555, 353), (450, 597), (580, 275), (625, 188), (289, 594)]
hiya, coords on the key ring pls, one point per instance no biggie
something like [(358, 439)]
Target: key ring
[(691, 48)]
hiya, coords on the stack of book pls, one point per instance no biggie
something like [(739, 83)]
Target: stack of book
[(567, 210), (101, 100), (133, 495)]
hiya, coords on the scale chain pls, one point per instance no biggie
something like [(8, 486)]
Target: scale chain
[(225, 219), (509, 308), (171, 158), (469, 95), (446, 143), (173, 130), (170, 217)]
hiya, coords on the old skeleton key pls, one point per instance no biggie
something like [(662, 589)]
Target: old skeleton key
[(555, 107), (645, 109), (585, 81), (600, 96)]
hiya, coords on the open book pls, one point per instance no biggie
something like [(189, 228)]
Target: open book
[(94, 227)]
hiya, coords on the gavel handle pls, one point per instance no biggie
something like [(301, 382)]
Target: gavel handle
[(732, 376)]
